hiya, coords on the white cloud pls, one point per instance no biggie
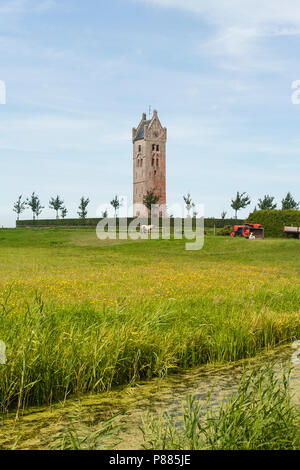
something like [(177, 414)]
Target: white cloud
[(234, 41), (240, 27), (245, 13), (242, 49)]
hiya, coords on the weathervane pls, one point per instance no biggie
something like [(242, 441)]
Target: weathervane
[(150, 109)]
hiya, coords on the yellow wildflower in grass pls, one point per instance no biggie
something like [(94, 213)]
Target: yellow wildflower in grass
[(88, 317)]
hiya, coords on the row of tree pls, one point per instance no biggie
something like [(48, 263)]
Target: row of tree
[(241, 201), (56, 203)]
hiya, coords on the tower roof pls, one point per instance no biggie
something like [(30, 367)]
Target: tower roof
[(149, 128), (140, 135)]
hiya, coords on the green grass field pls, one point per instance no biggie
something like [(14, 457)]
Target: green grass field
[(80, 315)]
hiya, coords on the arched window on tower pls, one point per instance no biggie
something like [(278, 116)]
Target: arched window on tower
[(157, 162), (152, 161), (157, 148)]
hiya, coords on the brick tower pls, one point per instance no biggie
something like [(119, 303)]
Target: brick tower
[(149, 163)]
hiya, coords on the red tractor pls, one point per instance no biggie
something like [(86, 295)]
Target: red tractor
[(248, 231)]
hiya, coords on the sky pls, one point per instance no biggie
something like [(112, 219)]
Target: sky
[(78, 76)]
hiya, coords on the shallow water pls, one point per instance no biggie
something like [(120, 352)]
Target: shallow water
[(38, 427)]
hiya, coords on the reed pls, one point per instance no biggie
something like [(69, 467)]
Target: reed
[(78, 316), (53, 353), (261, 415), (78, 434)]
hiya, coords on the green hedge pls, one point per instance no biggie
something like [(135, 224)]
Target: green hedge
[(58, 223), (274, 221), (220, 223), (225, 232), (70, 223), (209, 222)]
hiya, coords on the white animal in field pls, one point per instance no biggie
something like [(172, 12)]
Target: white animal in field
[(251, 236), (147, 228)]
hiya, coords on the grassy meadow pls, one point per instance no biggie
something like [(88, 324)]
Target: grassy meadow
[(79, 315)]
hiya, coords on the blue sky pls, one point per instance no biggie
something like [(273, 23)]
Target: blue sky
[(79, 75)]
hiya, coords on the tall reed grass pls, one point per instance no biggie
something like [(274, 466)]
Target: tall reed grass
[(77, 434), (54, 351), (261, 415)]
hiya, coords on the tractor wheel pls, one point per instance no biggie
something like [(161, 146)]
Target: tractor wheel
[(246, 232), (232, 234)]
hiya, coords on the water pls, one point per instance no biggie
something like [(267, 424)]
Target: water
[(37, 428)]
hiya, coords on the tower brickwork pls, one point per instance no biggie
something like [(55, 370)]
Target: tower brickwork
[(149, 163)]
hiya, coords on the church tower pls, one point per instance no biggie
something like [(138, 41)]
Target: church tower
[(149, 163)]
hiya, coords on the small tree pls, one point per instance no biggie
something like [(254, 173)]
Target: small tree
[(267, 203), (105, 214), (188, 203), (150, 199), (19, 207), (240, 202), (64, 212), (223, 215), (35, 205), (39, 209), (116, 204), (82, 208), (56, 204), (289, 202)]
